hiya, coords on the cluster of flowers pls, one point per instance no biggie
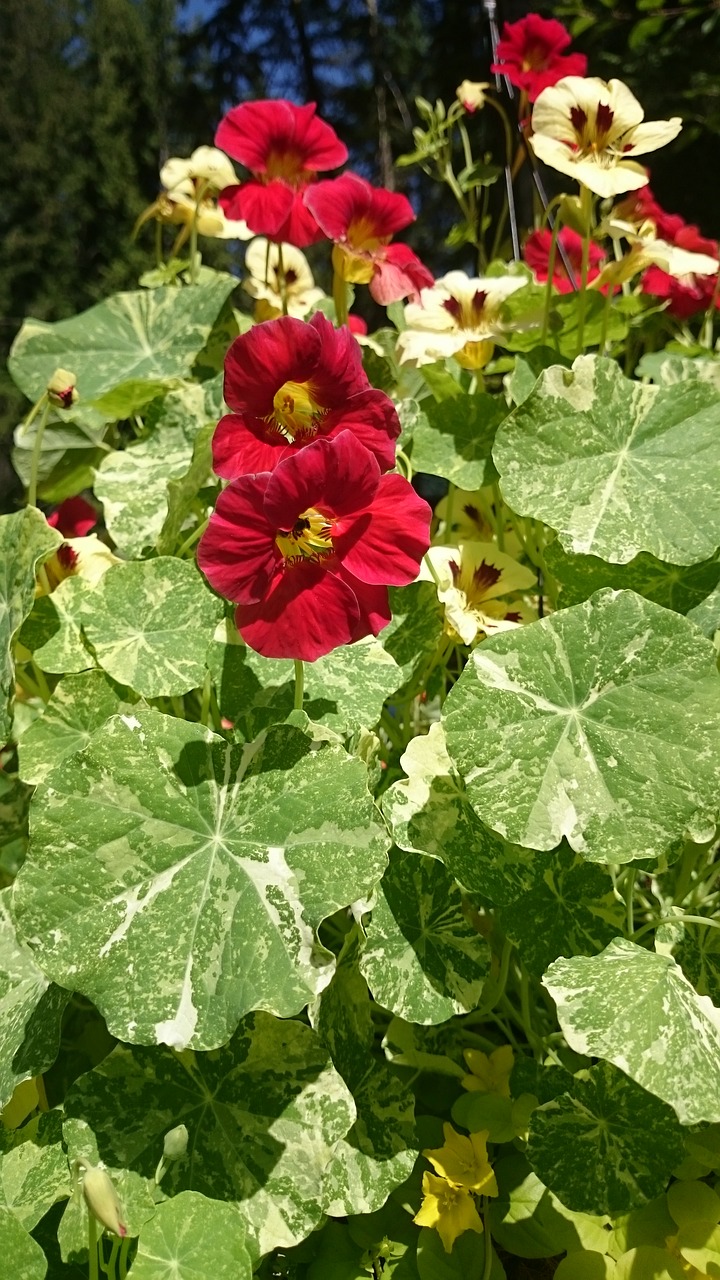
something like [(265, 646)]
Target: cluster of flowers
[(311, 529)]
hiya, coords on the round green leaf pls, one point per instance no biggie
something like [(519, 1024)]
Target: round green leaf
[(600, 723), (53, 631), (79, 705), (423, 959), (677, 587), (263, 1114), (585, 1265), (530, 1222), (454, 438), (150, 623), (606, 1145), (152, 333), (191, 1238), (19, 1249), (648, 1262), (162, 845), (34, 1173), (614, 466), (636, 1009)]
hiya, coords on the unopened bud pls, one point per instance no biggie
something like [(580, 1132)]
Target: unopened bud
[(471, 93), (61, 389), (102, 1199), (176, 1141)]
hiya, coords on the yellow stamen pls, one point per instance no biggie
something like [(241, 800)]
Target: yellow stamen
[(295, 411), (309, 539)]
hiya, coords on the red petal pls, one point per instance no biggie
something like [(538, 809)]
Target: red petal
[(265, 207), (373, 602), (307, 613), (372, 418), (338, 477), (342, 203), (240, 447), (399, 274), (237, 552), (73, 518), (386, 542), (250, 132), (261, 360)]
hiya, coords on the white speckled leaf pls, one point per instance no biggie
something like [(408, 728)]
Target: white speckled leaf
[(600, 723), (27, 1258), (346, 689), (152, 333), (25, 539), (79, 705), (53, 631), (133, 484), (614, 466), (430, 812), (34, 1173), (134, 1191), (191, 1238), (263, 1114), (454, 438), (162, 840), (31, 1009), (380, 1150), (423, 959), (69, 448), (606, 1145), (706, 615), (677, 587), (667, 369), (636, 1009), (150, 623)]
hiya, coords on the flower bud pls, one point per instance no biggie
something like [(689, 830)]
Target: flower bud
[(102, 1199), (61, 389), (471, 93), (176, 1141)]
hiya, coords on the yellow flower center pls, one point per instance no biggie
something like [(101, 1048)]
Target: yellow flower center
[(289, 166), (362, 234), (296, 413), (309, 539)]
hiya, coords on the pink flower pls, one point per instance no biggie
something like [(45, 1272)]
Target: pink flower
[(283, 146), (530, 54), (288, 382), (73, 518), (537, 255), (362, 219), (308, 551)]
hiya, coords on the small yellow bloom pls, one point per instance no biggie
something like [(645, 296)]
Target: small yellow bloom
[(450, 1210), (489, 1074), (464, 1161)]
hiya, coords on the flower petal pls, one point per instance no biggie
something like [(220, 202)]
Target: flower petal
[(386, 542), (239, 448), (237, 552), (265, 207), (252, 131), (307, 613), (338, 476)]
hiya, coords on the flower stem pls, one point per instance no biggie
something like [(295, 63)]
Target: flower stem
[(92, 1247), (299, 684), (487, 1264), (586, 205), (193, 537), (124, 1250), (282, 281), (549, 290), (37, 447), (340, 299)]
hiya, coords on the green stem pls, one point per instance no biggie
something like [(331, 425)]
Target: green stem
[(109, 1266), (586, 208), (158, 244), (193, 538), (606, 319), (487, 1264), (679, 919), (43, 399), (35, 464), (205, 700), (282, 280), (299, 684), (630, 902), (340, 299), (92, 1247), (549, 287), (124, 1250), (41, 682), (194, 231), (178, 707), (498, 989)]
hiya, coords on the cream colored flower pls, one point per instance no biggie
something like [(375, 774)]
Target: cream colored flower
[(86, 558), (262, 260), (459, 316), (591, 129), (102, 1199), (206, 165), (472, 93), (62, 390), (647, 251), (470, 580)]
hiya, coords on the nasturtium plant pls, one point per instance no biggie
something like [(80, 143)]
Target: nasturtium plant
[(360, 718)]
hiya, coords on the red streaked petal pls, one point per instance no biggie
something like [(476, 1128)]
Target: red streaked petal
[(237, 552), (373, 602), (261, 360), (344, 205), (339, 371), (240, 447), (300, 227), (386, 542), (73, 518), (372, 418), (307, 613), (252, 131), (399, 274), (336, 476), (265, 207)]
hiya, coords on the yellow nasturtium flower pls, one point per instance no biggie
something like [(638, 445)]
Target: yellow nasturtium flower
[(450, 1210), (489, 1074), (464, 1161)]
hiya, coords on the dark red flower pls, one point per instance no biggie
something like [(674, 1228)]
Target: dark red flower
[(362, 220), (308, 551), (73, 518), (284, 147), (537, 255), (686, 295), (530, 54), (289, 382)]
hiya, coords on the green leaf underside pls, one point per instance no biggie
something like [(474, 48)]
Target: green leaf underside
[(598, 724), (345, 689), (380, 1150), (616, 467), (190, 1238), (636, 1009), (667, 369), (423, 959), (25, 539), (263, 1114), (699, 957), (150, 623), (160, 839), (454, 439), (31, 1010), (152, 333), (605, 1146), (677, 587)]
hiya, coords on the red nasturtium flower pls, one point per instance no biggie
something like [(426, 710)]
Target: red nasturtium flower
[(537, 255), (530, 53), (308, 551), (284, 147), (73, 518), (687, 295), (362, 220), (289, 382)]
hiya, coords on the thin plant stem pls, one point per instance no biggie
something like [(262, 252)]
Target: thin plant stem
[(586, 203), (487, 1236), (199, 194), (124, 1250), (630, 901), (32, 415), (340, 299), (40, 680), (679, 919), (35, 463), (549, 290), (158, 243), (109, 1266), (282, 281), (205, 700), (194, 536), (299, 684), (92, 1247)]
